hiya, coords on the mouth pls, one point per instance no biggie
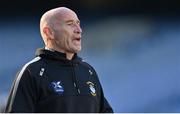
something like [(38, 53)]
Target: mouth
[(77, 39)]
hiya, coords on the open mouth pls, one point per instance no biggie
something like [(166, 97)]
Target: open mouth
[(77, 39)]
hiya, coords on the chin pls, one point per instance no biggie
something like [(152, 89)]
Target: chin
[(77, 50)]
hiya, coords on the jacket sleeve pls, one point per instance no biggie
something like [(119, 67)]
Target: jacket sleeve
[(105, 106), (23, 94)]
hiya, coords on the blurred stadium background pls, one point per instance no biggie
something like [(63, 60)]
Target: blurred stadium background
[(133, 44)]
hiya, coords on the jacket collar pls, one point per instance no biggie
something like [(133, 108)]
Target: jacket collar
[(42, 52)]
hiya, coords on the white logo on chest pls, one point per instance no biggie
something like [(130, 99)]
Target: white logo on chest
[(41, 71)]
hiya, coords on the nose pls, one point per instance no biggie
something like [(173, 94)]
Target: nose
[(78, 29)]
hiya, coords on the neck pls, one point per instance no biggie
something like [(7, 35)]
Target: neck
[(69, 56)]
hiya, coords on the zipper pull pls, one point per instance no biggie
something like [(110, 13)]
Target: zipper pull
[(75, 84), (79, 91)]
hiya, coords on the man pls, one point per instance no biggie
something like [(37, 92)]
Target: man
[(57, 80)]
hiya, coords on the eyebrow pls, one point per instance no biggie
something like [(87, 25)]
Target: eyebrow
[(72, 21)]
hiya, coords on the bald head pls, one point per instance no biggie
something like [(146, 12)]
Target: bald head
[(50, 17)]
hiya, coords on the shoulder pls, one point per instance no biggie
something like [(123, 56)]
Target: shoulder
[(29, 67), (83, 62), (92, 72), (24, 75), (34, 62), (88, 66)]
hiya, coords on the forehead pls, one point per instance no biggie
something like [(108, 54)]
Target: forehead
[(67, 16)]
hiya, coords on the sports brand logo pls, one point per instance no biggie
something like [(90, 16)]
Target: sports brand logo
[(57, 87)]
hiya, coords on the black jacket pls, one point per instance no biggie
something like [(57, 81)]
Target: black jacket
[(51, 83)]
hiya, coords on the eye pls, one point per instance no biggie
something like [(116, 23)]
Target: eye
[(78, 22), (73, 23), (70, 23)]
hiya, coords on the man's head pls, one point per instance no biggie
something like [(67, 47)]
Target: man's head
[(61, 31)]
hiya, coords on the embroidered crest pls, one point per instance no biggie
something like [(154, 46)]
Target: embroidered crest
[(91, 88)]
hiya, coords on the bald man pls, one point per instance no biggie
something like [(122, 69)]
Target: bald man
[(57, 80)]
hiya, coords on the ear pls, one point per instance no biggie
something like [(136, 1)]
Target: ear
[(48, 32)]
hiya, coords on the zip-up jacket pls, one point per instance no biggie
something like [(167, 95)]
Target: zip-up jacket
[(52, 83)]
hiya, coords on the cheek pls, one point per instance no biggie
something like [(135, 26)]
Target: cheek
[(64, 38), (67, 40), (66, 34)]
